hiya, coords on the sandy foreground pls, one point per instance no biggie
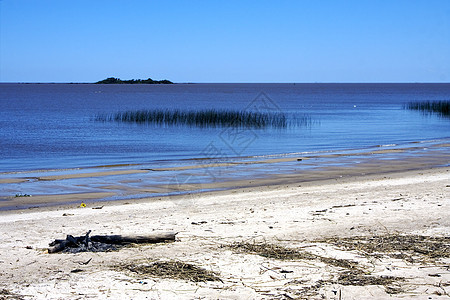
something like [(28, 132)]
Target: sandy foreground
[(376, 237)]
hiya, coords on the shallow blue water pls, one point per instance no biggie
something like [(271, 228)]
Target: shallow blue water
[(51, 126)]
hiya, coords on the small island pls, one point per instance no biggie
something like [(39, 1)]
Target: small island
[(113, 80)]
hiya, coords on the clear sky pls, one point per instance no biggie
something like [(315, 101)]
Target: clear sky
[(225, 41)]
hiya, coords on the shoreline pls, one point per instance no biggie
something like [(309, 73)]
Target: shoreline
[(278, 181), (309, 217), (128, 182)]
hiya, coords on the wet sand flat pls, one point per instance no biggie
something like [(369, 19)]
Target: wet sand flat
[(131, 182)]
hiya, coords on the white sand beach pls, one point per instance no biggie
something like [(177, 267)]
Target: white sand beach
[(304, 218)]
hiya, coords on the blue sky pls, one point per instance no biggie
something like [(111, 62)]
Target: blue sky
[(225, 41)]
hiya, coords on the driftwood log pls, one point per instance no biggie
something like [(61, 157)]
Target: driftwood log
[(100, 243)]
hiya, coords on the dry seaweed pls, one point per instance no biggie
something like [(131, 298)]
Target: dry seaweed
[(406, 247), (360, 279), (270, 251), (7, 295), (174, 270), (305, 292), (393, 290), (357, 278), (353, 274), (284, 253)]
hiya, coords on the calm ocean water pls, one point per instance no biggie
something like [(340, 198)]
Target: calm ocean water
[(52, 126)]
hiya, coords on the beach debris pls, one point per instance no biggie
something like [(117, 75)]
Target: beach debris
[(76, 270), (83, 204), (103, 243), (199, 223), (85, 262), (398, 199), (344, 205)]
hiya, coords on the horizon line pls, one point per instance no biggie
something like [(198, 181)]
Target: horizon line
[(305, 82)]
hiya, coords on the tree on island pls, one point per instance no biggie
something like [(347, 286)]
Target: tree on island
[(113, 80)]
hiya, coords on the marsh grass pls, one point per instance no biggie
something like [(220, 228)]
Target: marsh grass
[(206, 118), (441, 108)]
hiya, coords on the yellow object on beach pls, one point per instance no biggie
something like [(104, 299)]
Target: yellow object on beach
[(82, 204)]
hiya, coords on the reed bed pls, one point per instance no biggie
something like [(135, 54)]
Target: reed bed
[(205, 118), (441, 108)]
